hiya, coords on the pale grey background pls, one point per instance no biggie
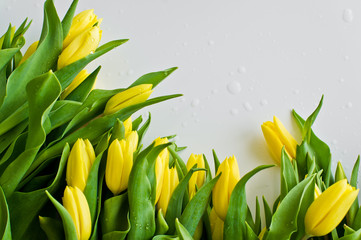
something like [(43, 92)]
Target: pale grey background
[(240, 63)]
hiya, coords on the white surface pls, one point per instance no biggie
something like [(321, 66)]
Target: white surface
[(240, 63)]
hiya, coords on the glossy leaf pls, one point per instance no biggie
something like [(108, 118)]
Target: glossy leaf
[(5, 230), (153, 78)]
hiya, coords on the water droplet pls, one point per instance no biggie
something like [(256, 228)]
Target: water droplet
[(130, 72), (195, 102), (182, 99), (211, 42), (349, 105), (242, 69), (234, 111), (296, 91), (92, 52), (231, 73), (174, 109), (185, 44), (194, 114), (234, 87), (334, 142), (177, 53), (109, 74), (92, 39), (264, 102), (348, 15), (247, 106), (197, 120), (342, 80), (304, 54), (346, 58), (251, 88), (320, 49), (184, 124)]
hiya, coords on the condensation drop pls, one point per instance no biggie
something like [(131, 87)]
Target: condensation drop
[(195, 102), (334, 142), (234, 87), (264, 102), (242, 69), (296, 91), (211, 42), (214, 91), (349, 105), (174, 109), (348, 15), (231, 73), (247, 106), (346, 58), (184, 124), (342, 80), (130, 72)]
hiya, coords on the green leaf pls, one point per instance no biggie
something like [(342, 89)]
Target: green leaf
[(81, 92), (6, 55), (288, 175), (5, 230), (353, 236), (153, 78), (62, 112), (68, 73), (69, 227), (306, 133), (250, 234), (118, 131), (182, 231), (340, 173), (284, 221), (355, 206), (194, 210), (175, 205), (68, 18), (21, 202), (115, 217), (234, 225), (39, 62), (216, 161), (52, 227), (179, 160), (161, 224), (267, 212)]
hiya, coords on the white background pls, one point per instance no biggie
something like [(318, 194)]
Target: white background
[(240, 63)]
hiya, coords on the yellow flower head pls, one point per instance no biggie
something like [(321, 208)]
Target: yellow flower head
[(161, 164), (327, 211), (277, 136), (76, 204), (128, 126), (223, 189), (81, 22), (197, 177), (120, 163), (84, 44), (129, 97), (170, 182), (80, 160)]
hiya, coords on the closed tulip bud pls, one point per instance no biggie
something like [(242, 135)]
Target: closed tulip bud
[(162, 162), (29, 52), (128, 126), (277, 136), (80, 161), (223, 189), (82, 75), (217, 225), (120, 163), (129, 97), (197, 177), (81, 22), (77, 206), (170, 182), (327, 211), (80, 47)]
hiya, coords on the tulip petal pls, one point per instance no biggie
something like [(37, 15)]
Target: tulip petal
[(286, 138)]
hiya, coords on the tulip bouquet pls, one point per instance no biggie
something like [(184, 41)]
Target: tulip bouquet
[(73, 165)]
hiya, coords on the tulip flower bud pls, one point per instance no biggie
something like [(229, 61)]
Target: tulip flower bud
[(129, 97), (277, 136), (80, 160), (223, 189), (120, 163), (197, 177), (217, 225), (80, 47), (170, 182), (128, 126), (81, 22), (161, 164), (328, 210), (76, 204), (32, 48), (82, 75)]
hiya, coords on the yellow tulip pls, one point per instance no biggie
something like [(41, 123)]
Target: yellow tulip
[(217, 225), (81, 22), (120, 163), (32, 48), (328, 210), (277, 136), (82, 75), (128, 126), (170, 182), (77, 206), (80, 160), (197, 177), (223, 189), (161, 164), (80, 47), (129, 97)]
